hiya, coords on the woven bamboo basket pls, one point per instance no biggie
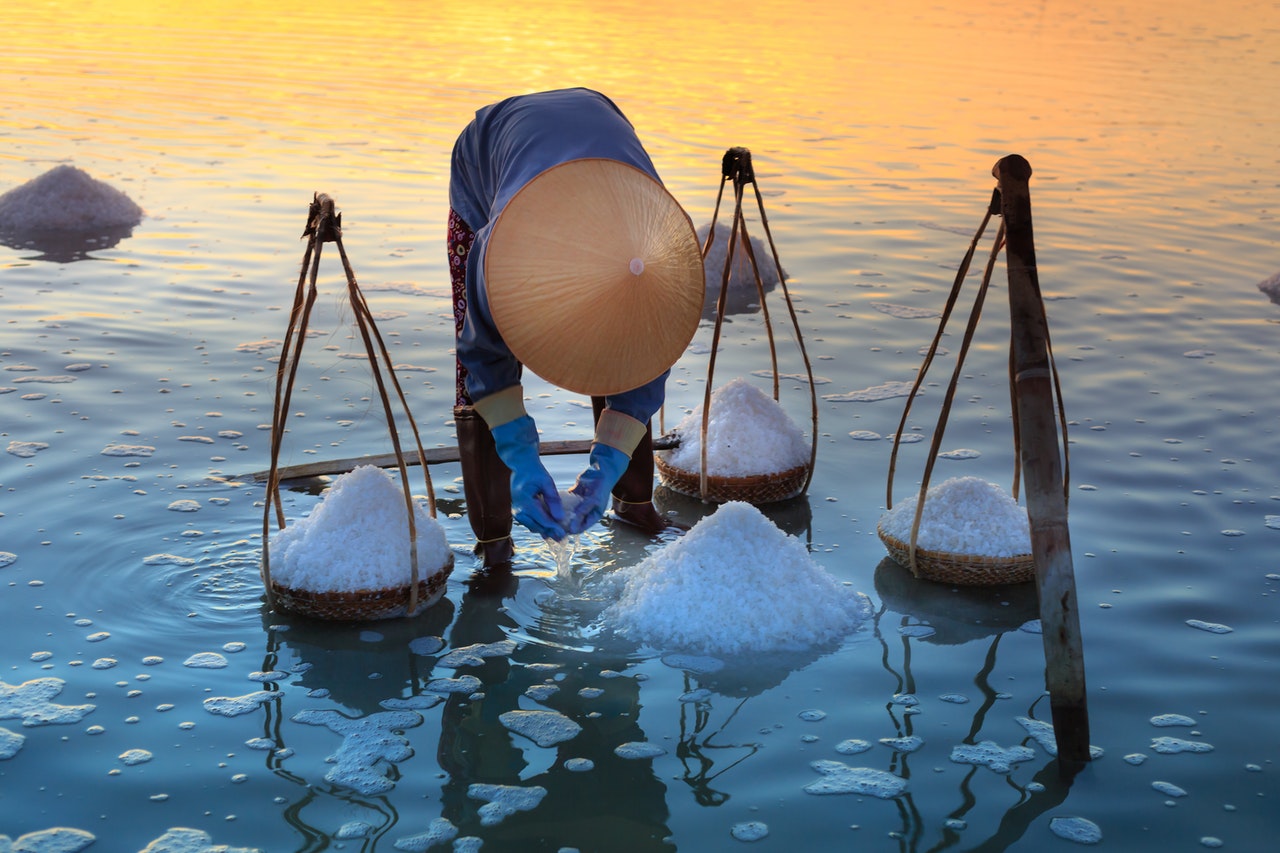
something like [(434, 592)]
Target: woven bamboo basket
[(753, 489), (960, 569), (365, 605)]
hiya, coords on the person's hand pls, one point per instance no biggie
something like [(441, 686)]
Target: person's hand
[(535, 501), (604, 467)]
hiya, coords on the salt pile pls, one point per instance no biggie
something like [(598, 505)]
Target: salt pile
[(734, 583), (1271, 287), (66, 199), (743, 295), (748, 434), (964, 515), (356, 539)]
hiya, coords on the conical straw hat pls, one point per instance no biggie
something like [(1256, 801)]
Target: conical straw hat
[(594, 277)]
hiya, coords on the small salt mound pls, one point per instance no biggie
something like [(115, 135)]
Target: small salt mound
[(1271, 287), (748, 434), (734, 583), (964, 515), (357, 538), (66, 199)]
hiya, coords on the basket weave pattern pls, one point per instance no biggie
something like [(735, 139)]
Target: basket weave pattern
[(961, 569), (754, 489), (362, 605)]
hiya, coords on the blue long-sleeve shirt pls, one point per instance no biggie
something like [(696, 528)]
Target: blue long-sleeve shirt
[(507, 145)]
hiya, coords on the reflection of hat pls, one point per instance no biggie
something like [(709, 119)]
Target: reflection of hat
[(594, 277)]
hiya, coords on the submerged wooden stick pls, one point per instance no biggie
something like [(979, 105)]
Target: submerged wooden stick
[(1042, 468)]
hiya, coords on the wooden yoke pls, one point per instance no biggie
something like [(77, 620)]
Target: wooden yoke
[(1042, 470)]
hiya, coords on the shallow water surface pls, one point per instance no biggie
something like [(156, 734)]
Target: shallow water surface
[(145, 686)]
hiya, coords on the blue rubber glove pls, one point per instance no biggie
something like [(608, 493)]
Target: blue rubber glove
[(604, 467), (535, 501)]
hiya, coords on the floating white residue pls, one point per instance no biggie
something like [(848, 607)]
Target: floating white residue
[(874, 394), (357, 538), (904, 312), (1043, 734), (463, 684), (1173, 745), (1169, 789), (963, 515), (368, 744), (426, 645), (840, 778), (748, 433), (734, 583), (752, 830), (475, 654), (865, 435), (1172, 720), (638, 749), (852, 746), (184, 505), (206, 660), (1077, 829), (167, 560), (66, 198), (235, 706), (25, 449), (502, 801), (60, 839), (909, 743), (440, 831), (183, 840), (132, 757), (412, 703), (545, 728), (128, 450), (32, 702), (991, 755), (7, 558), (10, 743), (1211, 627)]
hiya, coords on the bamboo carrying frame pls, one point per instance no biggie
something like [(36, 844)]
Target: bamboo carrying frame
[(943, 566), (325, 225), (764, 487)]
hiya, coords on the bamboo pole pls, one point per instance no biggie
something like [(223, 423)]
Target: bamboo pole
[(1042, 468)]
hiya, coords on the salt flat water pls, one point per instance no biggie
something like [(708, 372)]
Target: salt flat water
[(147, 694)]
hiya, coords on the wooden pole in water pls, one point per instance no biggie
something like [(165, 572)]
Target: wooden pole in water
[(1042, 468)]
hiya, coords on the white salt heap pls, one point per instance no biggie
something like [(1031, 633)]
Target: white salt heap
[(66, 199), (748, 434), (740, 272), (964, 515), (734, 583), (357, 538)]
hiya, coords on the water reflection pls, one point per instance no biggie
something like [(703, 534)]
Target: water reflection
[(60, 246)]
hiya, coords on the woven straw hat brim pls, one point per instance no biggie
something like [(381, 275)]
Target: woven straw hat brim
[(594, 277)]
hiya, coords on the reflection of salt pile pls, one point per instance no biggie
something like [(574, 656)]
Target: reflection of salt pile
[(964, 515), (748, 433), (742, 281), (734, 583), (356, 539), (66, 199)]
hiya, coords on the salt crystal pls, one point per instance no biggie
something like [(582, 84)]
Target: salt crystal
[(735, 583), (66, 199), (748, 434), (963, 515), (356, 538)]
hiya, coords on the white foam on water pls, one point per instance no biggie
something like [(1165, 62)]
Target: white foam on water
[(25, 449), (873, 394), (748, 434), (466, 684), (637, 750), (991, 755), (1210, 627), (840, 778), (32, 703), (133, 757), (184, 505), (235, 706), (167, 560), (475, 654), (904, 312), (1169, 789), (963, 515), (1078, 829), (733, 584), (853, 746), (206, 660), (412, 703), (1173, 746), (545, 728), (865, 435), (7, 558), (502, 801), (357, 538), (128, 450), (60, 839), (426, 645), (752, 830), (1173, 720), (1042, 733), (184, 840), (10, 743), (369, 745), (910, 743), (440, 831), (579, 765)]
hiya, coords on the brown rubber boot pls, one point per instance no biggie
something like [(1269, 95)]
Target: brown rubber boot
[(486, 484), (633, 495)]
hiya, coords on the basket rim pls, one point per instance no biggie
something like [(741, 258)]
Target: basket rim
[(366, 594), (746, 479), (951, 556)]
